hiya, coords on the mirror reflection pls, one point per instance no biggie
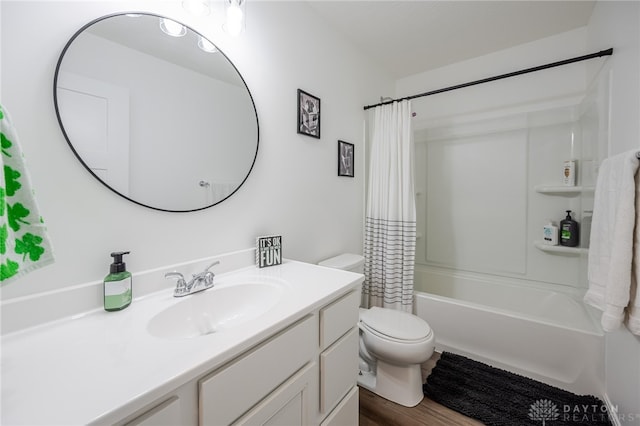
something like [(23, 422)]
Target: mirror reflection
[(165, 120)]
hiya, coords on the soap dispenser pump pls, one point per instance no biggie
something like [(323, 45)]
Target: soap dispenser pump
[(117, 285), (568, 231)]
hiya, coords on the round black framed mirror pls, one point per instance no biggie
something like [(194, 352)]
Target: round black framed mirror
[(156, 112)]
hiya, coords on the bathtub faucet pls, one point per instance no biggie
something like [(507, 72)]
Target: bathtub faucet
[(199, 282)]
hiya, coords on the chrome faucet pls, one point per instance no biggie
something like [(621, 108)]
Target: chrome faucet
[(198, 282)]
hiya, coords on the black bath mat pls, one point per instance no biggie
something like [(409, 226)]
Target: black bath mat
[(498, 397)]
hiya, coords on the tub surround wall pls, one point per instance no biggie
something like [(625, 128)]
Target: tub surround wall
[(479, 202), (293, 190)]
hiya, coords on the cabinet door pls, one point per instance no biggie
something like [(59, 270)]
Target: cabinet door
[(167, 413), (287, 405), (347, 413), (338, 370)]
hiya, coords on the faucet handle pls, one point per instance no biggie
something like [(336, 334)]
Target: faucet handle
[(217, 262), (181, 284), (174, 274), (207, 275)]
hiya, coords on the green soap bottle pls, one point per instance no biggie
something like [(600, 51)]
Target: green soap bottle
[(117, 285)]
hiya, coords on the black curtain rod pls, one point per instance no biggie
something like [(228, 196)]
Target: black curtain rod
[(607, 52)]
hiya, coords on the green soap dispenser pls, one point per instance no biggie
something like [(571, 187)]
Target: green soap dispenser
[(117, 285)]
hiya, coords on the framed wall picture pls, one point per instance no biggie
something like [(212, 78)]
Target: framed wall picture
[(308, 114), (345, 158)]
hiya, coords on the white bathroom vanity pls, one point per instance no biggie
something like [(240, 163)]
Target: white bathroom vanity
[(293, 361)]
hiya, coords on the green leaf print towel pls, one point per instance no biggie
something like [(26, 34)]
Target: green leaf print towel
[(24, 244)]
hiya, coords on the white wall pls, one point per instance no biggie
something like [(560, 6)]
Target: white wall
[(617, 24), (294, 189), (544, 85)]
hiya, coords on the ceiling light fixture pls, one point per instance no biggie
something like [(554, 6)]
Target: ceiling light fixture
[(196, 7), (172, 28), (234, 12)]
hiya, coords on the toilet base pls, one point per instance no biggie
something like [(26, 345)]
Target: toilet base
[(367, 380), (402, 385)]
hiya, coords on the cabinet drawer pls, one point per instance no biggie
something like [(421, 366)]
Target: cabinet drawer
[(347, 412), (229, 392), (338, 370), (338, 317)]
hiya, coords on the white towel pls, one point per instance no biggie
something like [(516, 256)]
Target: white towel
[(24, 244), (611, 247), (633, 310)]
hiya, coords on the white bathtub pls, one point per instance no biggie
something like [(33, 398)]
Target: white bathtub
[(539, 333)]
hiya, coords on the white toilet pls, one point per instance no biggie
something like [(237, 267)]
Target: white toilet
[(393, 344)]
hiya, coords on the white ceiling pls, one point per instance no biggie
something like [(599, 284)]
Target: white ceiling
[(408, 37)]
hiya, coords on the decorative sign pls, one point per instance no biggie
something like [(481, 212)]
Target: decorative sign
[(268, 251)]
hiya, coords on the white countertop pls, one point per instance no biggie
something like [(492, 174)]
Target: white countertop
[(81, 370)]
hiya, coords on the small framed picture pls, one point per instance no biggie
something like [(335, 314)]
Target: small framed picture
[(345, 158), (308, 114)]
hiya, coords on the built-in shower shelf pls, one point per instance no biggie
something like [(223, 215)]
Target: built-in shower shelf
[(560, 249), (562, 190)]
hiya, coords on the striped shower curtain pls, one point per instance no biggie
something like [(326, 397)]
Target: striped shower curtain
[(390, 222)]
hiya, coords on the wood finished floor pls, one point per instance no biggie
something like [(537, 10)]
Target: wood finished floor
[(377, 411)]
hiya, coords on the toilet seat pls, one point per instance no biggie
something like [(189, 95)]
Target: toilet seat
[(397, 326), (392, 339)]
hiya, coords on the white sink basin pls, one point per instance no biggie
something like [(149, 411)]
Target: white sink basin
[(214, 310)]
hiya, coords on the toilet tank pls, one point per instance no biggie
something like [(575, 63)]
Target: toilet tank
[(346, 261)]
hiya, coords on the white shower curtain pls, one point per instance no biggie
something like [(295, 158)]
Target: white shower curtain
[(390, 222)]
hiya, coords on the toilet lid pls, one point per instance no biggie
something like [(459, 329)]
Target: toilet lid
[(395, 324)]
